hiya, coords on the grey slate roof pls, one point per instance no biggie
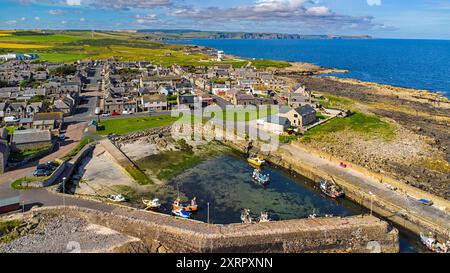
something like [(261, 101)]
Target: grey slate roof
[(30, 136)]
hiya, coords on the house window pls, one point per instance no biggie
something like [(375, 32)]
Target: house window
[(295, 116)]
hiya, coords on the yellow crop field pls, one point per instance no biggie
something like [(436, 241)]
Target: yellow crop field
[(11, 45)]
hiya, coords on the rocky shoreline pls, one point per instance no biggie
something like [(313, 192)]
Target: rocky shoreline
[(419, 155)]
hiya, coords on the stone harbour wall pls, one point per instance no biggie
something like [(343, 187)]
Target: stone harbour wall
[(164, 233)]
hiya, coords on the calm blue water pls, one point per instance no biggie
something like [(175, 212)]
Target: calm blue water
[(419, 64)]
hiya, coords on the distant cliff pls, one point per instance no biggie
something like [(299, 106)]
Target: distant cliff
[(196, 34)]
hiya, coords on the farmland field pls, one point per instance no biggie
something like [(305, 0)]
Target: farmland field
[(70, 46)]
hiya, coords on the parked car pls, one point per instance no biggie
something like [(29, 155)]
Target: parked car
[(53, 165), (126, 113), (115, 114), (105, 115), (42, 167), (41, 172)]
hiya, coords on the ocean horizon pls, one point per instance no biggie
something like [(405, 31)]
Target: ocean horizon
[(408, 63)]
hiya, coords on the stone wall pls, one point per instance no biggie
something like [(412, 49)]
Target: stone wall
[(164, 233)]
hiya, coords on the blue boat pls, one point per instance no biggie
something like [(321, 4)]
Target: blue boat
[(262, 179), (182, 213)]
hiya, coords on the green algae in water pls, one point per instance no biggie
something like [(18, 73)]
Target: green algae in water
[(225, 182)]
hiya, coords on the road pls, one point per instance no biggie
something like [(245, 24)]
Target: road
[(368, 184), (74, 133)]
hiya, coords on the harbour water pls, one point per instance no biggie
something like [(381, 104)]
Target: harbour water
[(225, 183), (418, 64)]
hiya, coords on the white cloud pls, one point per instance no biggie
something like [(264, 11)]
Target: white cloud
[(11, 22), (82, 19), (73, 2), (319, 11), (37, 18), (374, 2), (147, 19)]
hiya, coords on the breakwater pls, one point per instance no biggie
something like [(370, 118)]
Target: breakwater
[(164, 233)]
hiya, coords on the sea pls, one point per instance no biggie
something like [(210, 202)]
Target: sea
[(417, 64)]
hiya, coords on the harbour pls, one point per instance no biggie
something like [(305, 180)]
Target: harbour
[(223, 187)]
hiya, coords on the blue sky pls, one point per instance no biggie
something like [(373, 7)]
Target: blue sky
[(379, 18)]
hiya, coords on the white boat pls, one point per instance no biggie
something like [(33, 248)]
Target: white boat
[(262, 179), (182, 213), (246, 218), (433, 244), (117, 198), (152, 204), (264, 218)]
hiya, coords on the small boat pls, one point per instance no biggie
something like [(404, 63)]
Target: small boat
[(177, 204), (426, 202), (116, 198), (262, 179), (193, 207), (246, 218), (331, 189), (433, 245), (257, 160), (152, 204), (264, 218), (182, 213)]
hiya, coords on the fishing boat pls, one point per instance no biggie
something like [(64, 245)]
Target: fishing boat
[(177, 204), (152, 204), (264, 218), (257, 161), (182, 213), (116, 198), (246, 218), (262, 179), (193, 207), (433, 245), (331, 189)]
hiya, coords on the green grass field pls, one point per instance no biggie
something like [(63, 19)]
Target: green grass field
[(69, 46), (127, 125), (367, 125)]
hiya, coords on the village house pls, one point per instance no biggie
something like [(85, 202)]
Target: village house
[(298, 117), (19, 110), (243, 99), (4, 155), (52, 121), (31, 139), (153, 102), (276, 124)]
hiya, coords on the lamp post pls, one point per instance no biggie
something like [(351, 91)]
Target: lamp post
[(64, 190), (208, 213), (371, 202)]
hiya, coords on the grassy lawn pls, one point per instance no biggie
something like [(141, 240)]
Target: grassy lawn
[(79, 147), (127, 125), (17, 185), (11, 129), (337, 102), (261, 64), (366, 125), (18, 156), (6, 228)]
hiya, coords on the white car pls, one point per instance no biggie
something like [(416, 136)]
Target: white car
[(126, 113)]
